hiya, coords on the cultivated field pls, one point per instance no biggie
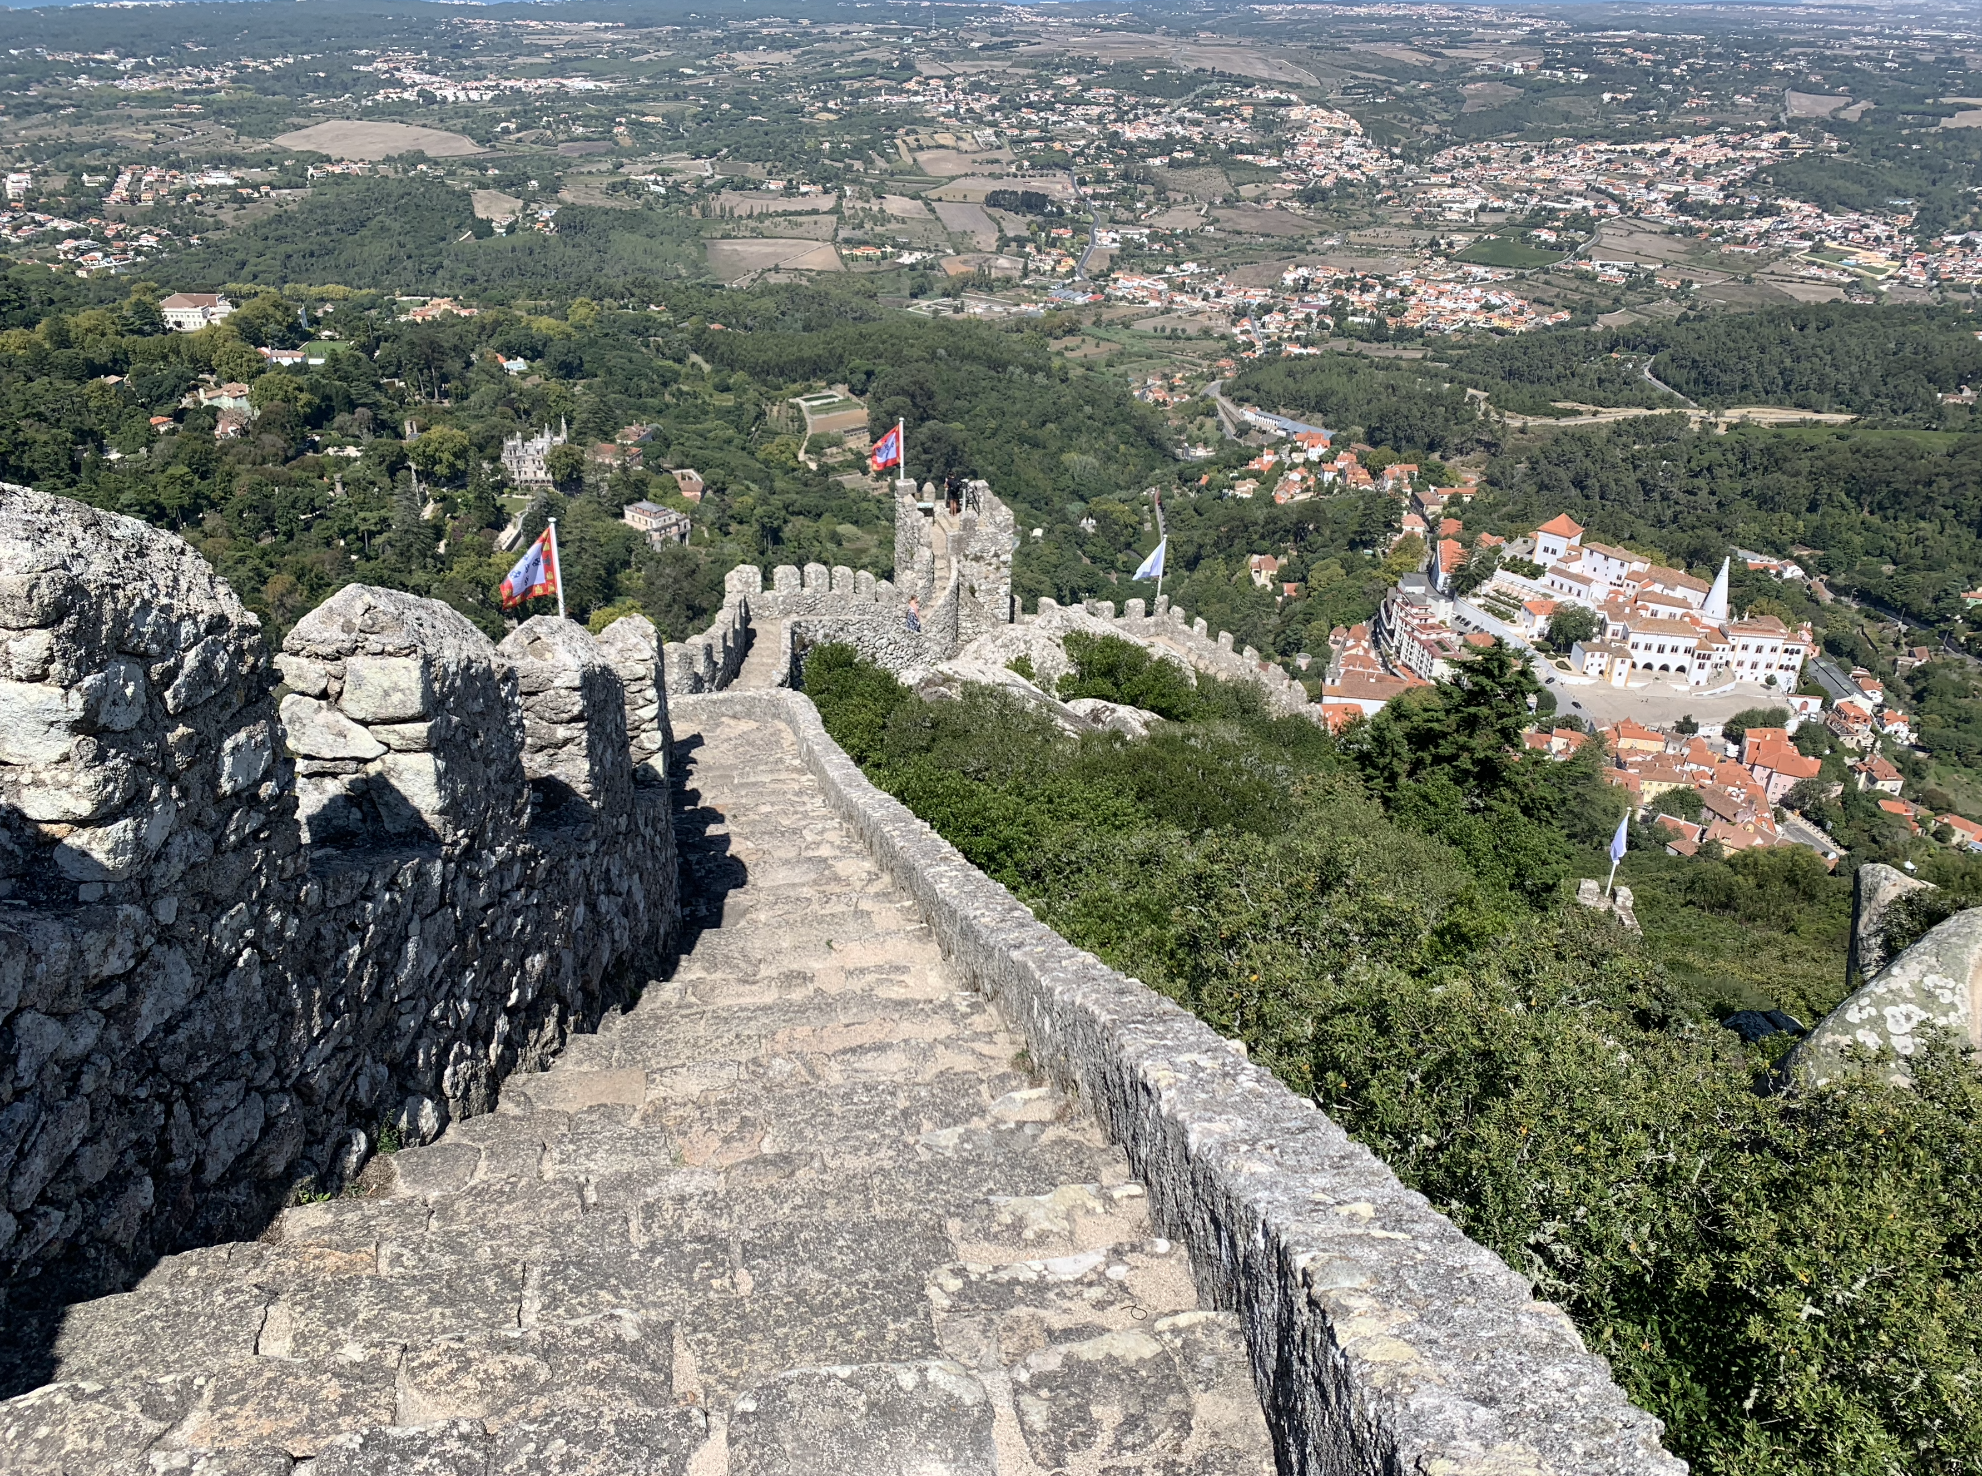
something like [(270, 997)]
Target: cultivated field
[(495, 205), (748, 202), (950, 163), (736, 259), (970, 220), (351, 139), (1264, 222)]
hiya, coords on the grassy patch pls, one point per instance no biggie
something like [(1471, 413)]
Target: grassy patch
[(1728, 961), (1504, 251)]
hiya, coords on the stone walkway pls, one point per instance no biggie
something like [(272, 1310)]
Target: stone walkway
[(801, 1210)]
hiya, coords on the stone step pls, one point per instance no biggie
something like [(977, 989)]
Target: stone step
[(800, 1209)]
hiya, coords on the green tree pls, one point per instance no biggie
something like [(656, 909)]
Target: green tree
[(1568, 624), (566, 466), (443, 454)]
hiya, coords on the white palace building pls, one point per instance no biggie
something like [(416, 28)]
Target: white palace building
[(1661, 620)]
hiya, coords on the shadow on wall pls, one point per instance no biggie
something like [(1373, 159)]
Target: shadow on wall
[(236, 948), (710, 871)]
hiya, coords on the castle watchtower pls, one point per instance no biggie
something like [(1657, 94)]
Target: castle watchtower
[(953, 547)]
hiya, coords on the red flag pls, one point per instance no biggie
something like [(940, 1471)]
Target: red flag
[(535, 573), (887, 451)]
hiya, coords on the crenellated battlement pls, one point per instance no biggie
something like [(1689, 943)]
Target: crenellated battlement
[(255, 910), (1166, 627), (953, 573)]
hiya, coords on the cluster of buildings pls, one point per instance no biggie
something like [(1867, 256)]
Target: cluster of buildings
[(417, 82), (1742, 787), (1652, 623), (1739, 787), (22, 226), (145, 185), (1647, 180), (1673, 181)]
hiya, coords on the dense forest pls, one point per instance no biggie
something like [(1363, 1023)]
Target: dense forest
[(1785, 1276), (1887, 364), (418, 235), (381, 462)]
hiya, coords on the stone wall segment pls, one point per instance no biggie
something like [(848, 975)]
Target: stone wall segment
[(1382, 1339), (241, 937)]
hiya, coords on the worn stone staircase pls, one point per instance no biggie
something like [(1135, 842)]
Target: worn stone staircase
[(802, 1209)]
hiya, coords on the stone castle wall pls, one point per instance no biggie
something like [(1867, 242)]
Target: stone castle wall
[(1381, 1338), (1160, 623), (239, 940), (710, 660), (817, 605)]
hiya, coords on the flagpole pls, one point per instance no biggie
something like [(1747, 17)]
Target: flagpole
[(1611, 882), (901, 450), (1161, 539), (557, 568)]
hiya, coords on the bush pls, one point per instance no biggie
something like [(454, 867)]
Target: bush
[(1121, 671)]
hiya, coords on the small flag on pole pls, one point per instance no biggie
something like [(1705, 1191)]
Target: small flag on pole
[(1152, 567), (887, 451), (1617, 841), (535, 573)]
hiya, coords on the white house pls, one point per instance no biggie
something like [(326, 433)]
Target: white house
[(188, 312), (1555, 538)]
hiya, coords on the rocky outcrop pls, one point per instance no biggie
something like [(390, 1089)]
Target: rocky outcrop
[(1934, 985), (1874, 890), (241, 940)]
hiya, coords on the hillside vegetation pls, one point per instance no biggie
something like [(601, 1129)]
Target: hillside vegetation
[(1888, 364)]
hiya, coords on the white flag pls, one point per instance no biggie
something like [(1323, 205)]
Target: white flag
[(1617, 841), (1152, 567)]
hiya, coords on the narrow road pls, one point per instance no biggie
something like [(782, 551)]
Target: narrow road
[(1656, 382), (802, 1210), (1093, 226), (1228, 413)]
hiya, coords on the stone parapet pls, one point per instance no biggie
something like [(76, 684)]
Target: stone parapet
[(816, 590), (633, 646), (1165, 626), (710, 660), (239, 943), (402, 722), (574, 718), (1381, 1338)]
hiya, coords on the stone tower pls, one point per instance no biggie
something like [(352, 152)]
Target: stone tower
[(953, 553)]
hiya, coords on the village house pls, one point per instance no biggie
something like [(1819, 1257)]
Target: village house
[(1875, 772), (612, 456), (660, 524), (1966, 832)]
